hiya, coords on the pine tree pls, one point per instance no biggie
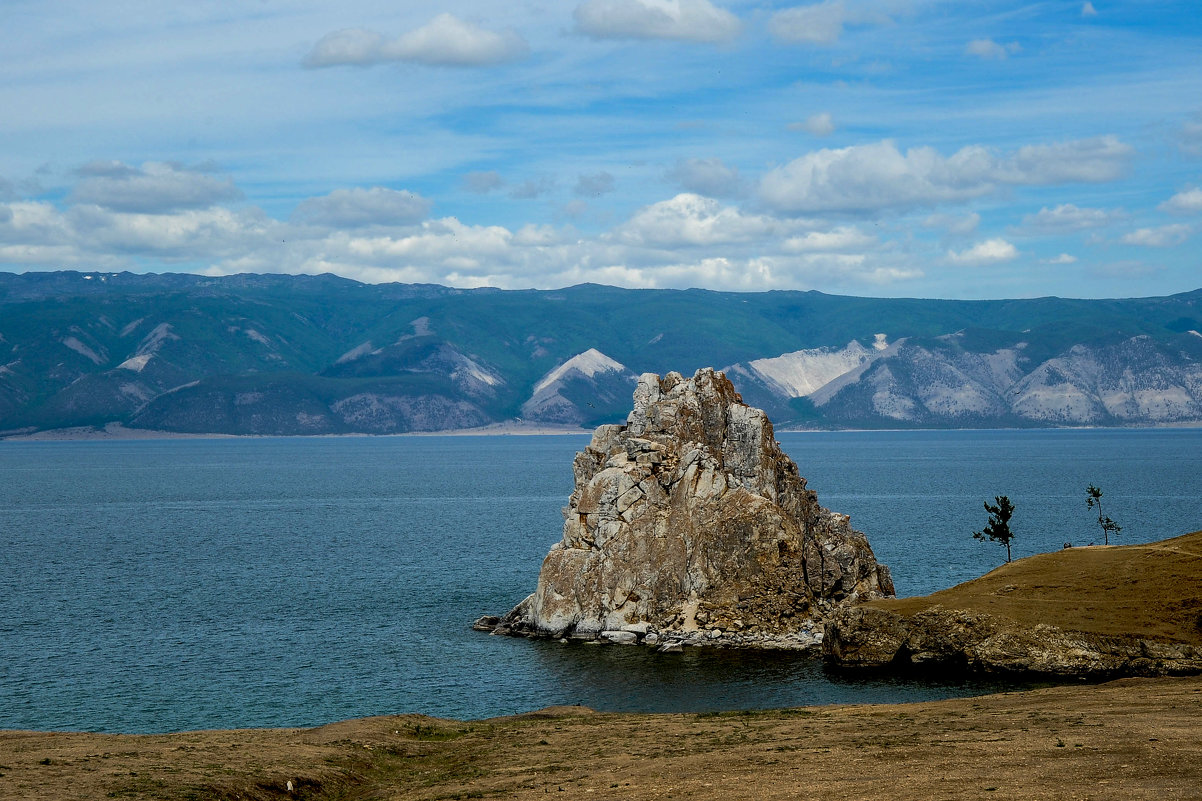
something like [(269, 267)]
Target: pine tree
[(998, 526), (1093, 497)]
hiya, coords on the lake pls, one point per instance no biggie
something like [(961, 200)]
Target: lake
[(163, 585)]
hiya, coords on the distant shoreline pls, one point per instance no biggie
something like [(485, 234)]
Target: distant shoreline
[(116, 431)]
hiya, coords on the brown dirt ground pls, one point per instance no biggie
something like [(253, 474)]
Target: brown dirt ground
[(1129, 739), (1152, 591)]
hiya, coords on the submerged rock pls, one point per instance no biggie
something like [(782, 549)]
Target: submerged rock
[(688, 523)]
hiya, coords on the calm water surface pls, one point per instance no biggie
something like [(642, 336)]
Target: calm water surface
[(184, 584)]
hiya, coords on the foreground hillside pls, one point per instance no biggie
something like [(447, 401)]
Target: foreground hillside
[(1096, 611), (1130, 739), (275, 354)]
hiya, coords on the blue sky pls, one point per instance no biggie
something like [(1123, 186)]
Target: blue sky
[(883, 147)]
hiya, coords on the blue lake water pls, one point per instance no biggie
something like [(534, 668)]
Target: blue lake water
[(181, 584)]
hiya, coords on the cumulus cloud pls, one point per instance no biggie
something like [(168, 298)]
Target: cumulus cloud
[(821, 23), (990, 50), (445, 41), (154, 188), (1161, 237), (693, 220), (1087, 9), (1187, 201), (680, 20), (843, 238), (816, 124), (595, 185), (187, 235), (482, 182), (1067, 217), (1063, 258), (879, 176), (355, 208), (706, 177), (991, 251)]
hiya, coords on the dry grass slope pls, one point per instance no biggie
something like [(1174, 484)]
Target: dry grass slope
[(1153, 591), (1131, 739)]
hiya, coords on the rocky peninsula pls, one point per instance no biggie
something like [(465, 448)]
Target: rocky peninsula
[(1098, 612), (688, 525)]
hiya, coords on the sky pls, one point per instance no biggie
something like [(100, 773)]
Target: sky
[(885, 148)]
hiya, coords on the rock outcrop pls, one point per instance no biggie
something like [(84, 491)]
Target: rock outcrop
[(959, 640), (1095, 612), (687, 525)]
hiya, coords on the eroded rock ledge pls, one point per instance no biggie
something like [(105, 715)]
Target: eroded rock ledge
[(689, 526), (959, 640), (1096, 613)]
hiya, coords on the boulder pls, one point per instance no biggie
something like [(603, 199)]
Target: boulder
[(689, 518)]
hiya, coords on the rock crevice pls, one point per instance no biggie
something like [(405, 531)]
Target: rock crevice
[(688, 524)]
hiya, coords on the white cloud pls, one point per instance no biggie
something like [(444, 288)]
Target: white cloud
[(991, 50), (681, 20), (445, 41), (152, 189), (878, 176), (689, 220), (821, 23), (354, 208), (1187, 201), (843, 238), (1068, 217), (816, 124), (991, 251), (706, 177), (1063, 258), (1161, 237), (1087, 9), (595, 185)]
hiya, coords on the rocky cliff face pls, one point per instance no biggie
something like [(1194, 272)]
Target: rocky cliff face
[(688, 523), (959, 640)]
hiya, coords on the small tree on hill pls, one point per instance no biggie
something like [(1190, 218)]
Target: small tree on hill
[(1093, 497), (998, 527)]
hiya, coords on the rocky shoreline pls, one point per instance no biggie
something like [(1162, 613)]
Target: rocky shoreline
[(1092, 613), (959, 640), (806, 638)]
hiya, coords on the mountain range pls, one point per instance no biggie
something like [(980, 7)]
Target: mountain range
[(277, 354)]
